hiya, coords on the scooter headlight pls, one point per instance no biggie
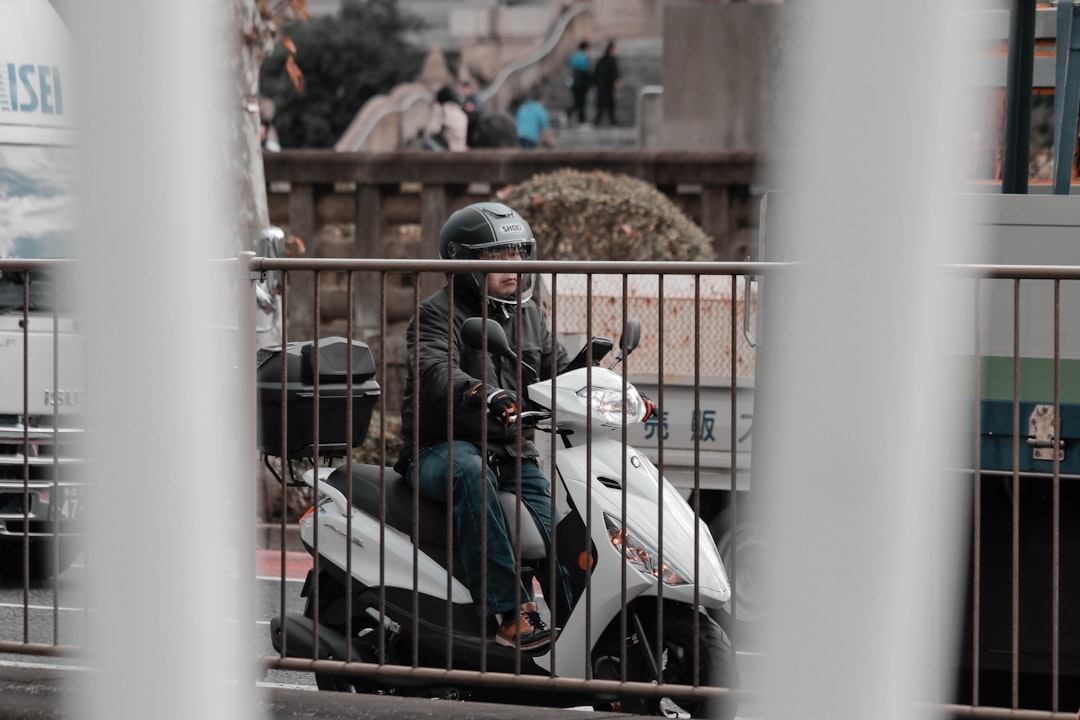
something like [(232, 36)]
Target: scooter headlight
[(641, 555), (612, 406)]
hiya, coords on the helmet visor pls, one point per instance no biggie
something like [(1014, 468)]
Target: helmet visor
[(517, 250)]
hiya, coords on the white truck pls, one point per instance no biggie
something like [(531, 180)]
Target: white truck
[(41, 382), (1017, 447)]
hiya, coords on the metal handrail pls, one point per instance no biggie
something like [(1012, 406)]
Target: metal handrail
[(372, 122), (536, 55), (662, 267)]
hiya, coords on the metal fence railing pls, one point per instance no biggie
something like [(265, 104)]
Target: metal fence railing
[(580, 300), (635, 567), (41, 431), (369, 617), (1021, 646)]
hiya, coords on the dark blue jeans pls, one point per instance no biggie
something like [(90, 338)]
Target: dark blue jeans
[(470, 517)]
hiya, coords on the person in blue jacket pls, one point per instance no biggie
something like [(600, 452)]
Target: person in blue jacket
[(580, 80), (533, 124)]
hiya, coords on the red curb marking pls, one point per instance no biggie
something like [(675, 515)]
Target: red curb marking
[(268, 564)]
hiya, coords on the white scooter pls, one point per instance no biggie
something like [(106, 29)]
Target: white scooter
[(402, 600)]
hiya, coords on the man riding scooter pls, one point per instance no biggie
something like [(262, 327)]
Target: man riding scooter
[(410, 604), (451, 372)]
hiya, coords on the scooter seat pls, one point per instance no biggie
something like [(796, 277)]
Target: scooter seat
[(399, 502), (433, 520)]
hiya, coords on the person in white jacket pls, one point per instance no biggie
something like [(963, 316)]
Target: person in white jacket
[(448, 126)]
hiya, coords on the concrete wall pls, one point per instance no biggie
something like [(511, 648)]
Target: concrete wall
[(650, 116), (623, 19), (720, 74)]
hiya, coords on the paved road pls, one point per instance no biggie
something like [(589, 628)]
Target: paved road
[(40, 693), (44, 688), (41, 687)]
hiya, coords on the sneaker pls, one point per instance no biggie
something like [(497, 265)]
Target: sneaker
[(525, 626)]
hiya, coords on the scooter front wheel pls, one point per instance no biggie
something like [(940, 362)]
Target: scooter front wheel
[(716, 664), (363, 650), (349, 683)]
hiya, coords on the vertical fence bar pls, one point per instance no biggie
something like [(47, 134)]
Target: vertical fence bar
[(699, 422), (1016, 499), (248, 438), (1055, 589), (26, 457), (57, 508), (588, 490), (417, 334), (315, 429), (733, 440), (659, 640), (284, 455), (382, 473), (520, 391), (622, 477), (660, 453), (553, 474), (450, 530), (350, 327), (484, 499), (415, 456), (976, 530)]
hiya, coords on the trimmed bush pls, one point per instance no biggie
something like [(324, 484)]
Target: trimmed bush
[(600, 216)]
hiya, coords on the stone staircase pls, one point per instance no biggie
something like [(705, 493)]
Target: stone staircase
[(640, 64), (589, 137)]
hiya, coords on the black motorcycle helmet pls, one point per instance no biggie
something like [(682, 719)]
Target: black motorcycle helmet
[(484, 231)]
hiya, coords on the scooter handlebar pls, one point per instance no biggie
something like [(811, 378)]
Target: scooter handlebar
[(529, 418)]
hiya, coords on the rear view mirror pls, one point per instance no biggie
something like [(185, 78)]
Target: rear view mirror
[(631, 337), (473, 332)]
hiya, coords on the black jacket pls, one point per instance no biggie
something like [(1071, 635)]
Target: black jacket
[(449, 369), (606, 73)]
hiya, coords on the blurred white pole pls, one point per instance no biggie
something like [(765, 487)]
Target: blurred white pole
[(170, 630), (860, 411)]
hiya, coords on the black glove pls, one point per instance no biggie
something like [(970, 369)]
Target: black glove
[(474, 396), (650, 408), (502, 404)]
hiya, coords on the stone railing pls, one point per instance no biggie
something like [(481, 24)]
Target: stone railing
[(355, 204)]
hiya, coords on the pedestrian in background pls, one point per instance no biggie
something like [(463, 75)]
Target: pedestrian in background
[(470, 98), (580, 80), (533, 124), (471, 104), (448, 125), (268, 137), (606, 76)]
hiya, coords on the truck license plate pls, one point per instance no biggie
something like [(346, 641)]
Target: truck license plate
[(69, 503)]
